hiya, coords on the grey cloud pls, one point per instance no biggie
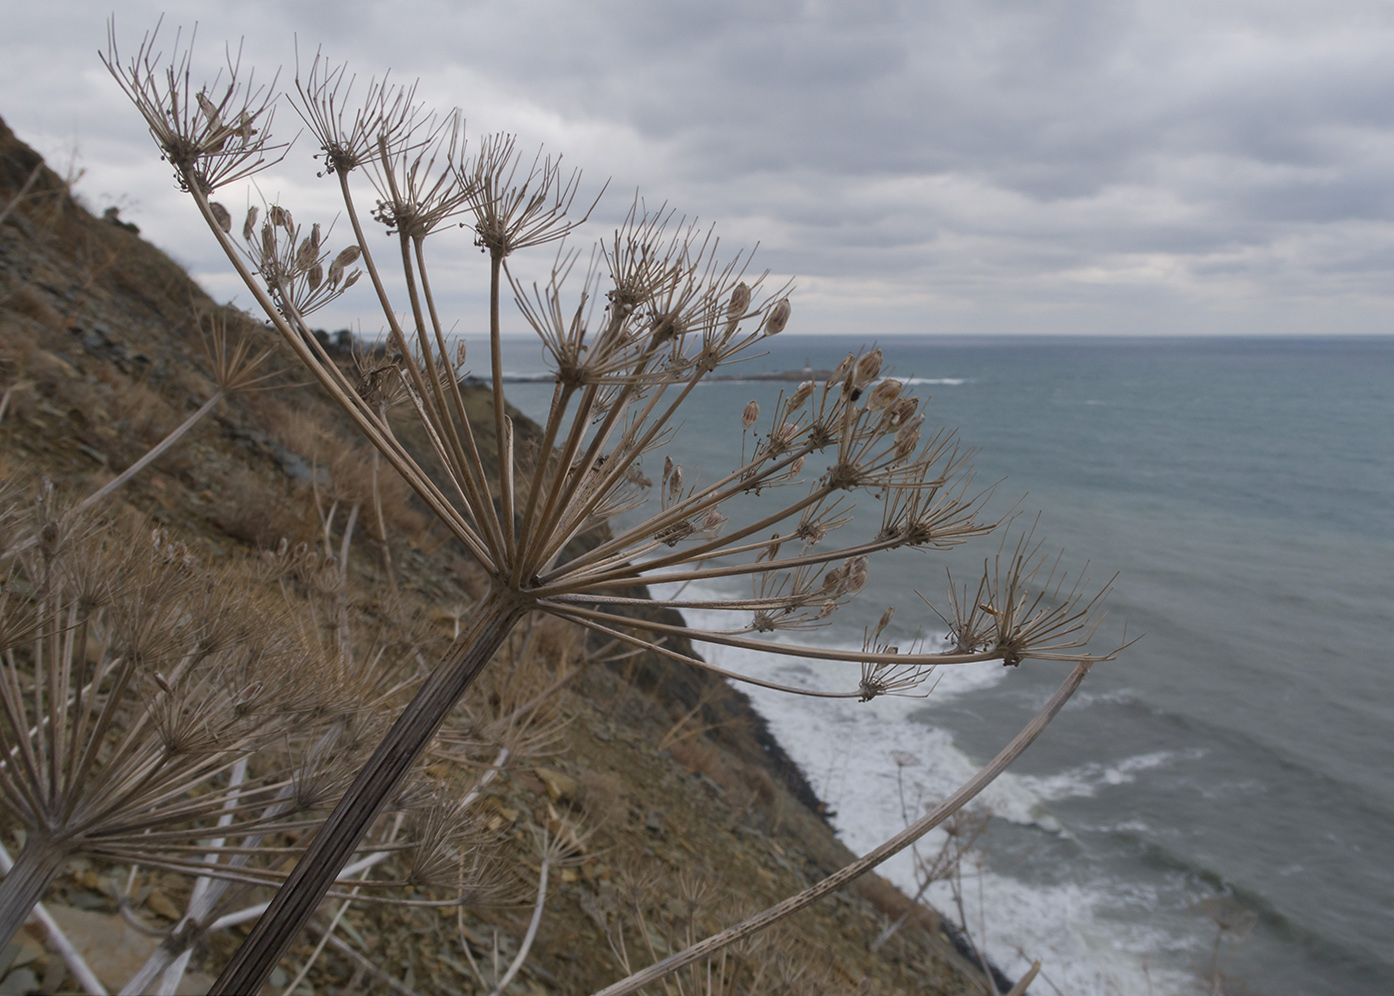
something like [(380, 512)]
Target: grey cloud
[(993, 149)]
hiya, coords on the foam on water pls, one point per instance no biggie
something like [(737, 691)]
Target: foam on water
[(1087, 779), (881, 764)]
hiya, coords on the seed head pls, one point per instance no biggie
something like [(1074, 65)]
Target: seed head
[(883, 394), (778, 317), (740, 300), (751, 414), (864, 371), (840, 371), (308, 253), (856, 573), (908, 437), (221, 216), (901, 412), (801, 394), (347, 257)]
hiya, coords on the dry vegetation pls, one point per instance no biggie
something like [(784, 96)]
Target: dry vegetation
[(672, 777)]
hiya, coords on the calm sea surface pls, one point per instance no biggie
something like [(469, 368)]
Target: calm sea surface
[(1242, 751)]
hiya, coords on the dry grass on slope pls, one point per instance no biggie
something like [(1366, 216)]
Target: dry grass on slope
[(690, 821)]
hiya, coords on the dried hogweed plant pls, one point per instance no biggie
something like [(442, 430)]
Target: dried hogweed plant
[(656, 311), (161, 713)]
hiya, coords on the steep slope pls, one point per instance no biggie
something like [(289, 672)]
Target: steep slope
[(101, 355)]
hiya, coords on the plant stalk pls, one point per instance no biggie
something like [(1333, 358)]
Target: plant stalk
[(24, 884), (837, 880), (296, 900)]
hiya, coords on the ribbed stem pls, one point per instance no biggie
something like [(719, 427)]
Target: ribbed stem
[(296, 901), (24, 885)]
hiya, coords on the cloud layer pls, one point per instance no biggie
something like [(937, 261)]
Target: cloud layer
[(920, 167)]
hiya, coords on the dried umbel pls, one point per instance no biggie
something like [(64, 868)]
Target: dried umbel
[(656, 313), (212, 136), (131, 677)]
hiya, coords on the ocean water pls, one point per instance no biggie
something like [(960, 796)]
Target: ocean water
[(1242, 750)]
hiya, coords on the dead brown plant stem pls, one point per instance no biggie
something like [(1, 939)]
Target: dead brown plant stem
[(1022, 983), (451, 452), (496, 365), (526, 947), (659, 648), (899, 842), (614, 472), (342, 394), (70, 955), (474, 465), (14, 201), (23, 886), (312, 877), (591, 616), (382, 524), (560, 399)]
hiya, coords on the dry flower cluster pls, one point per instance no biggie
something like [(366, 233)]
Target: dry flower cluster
[(656, 311)]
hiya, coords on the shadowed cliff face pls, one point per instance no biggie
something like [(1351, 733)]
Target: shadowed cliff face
[(101, 354)]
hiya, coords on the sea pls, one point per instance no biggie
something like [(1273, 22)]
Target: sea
[(1214, 810)]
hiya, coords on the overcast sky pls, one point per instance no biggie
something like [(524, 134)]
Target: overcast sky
[(961, 167)]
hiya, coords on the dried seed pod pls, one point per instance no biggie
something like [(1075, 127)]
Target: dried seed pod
[(864, 371), (280, 216), (885, 619), (751, 414), (308, 253), (675, 533), (345, 258), (908, 437), (244, 128), (840, 371), (778, 317), (249, 226), (856, 573), (675, 483), (902, 411), (740, 300), (884, 394), (459, 351), (209, 109), (221, 216), (801, 394)]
